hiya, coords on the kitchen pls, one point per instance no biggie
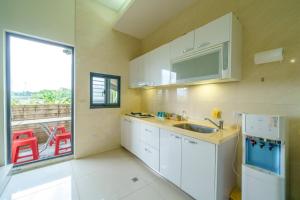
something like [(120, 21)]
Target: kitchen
[(269, 88)]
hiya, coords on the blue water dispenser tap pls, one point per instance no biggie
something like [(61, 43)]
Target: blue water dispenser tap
[(261, 155)]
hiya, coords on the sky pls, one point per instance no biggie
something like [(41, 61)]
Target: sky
[(36, 66)]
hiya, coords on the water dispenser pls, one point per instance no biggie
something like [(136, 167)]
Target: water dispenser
[(264, 157)]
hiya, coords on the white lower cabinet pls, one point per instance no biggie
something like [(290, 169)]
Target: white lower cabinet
[(126, 133), (150, 145), (130, 136), (198, 168), (150, 156), (135, 142), (142, 140), (170, 156), (150, 135), (201, 169)]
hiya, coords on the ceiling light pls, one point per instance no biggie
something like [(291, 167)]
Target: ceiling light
[(292, 60)]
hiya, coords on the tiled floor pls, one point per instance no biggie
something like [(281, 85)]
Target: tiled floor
[(107, 176)]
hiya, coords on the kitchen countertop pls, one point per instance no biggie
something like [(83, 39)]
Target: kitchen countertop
[(215, 138)]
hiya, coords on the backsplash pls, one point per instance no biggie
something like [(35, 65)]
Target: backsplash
[(196, 101)]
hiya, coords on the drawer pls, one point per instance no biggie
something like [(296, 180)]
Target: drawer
[(150, 135), (150, 156)]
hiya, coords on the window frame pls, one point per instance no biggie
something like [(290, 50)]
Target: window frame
[(106, 77)]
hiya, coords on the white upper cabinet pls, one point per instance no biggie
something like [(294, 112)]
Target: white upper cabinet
[(151, 69), (159, 65), (137, 72), (215, 32), (209, 54), (216, 56), (182, 45)]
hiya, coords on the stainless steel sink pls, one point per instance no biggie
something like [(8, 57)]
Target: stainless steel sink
[(196, 128)]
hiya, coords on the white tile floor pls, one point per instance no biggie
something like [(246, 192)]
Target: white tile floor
[(106, 176)]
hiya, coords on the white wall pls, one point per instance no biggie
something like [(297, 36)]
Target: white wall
[(50, 19)]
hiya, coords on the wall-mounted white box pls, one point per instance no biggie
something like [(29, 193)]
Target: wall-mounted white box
[(273, 55)]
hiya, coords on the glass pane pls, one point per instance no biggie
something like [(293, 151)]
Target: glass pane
[(98, 90), (41, 97), (200, 66), (113, 91)]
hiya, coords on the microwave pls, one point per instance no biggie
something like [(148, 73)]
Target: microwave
[(204, 65)]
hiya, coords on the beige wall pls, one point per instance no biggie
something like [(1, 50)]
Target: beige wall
[(100, 49), (50, 19), (266, 25)]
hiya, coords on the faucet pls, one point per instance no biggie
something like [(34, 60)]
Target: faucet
[(220, 125), (184, 115)]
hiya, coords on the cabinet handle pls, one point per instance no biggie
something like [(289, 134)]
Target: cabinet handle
[(187, 50), (147, 150), (177, 137), (141, 84), (147, 130), (192, 142), (203, 44)]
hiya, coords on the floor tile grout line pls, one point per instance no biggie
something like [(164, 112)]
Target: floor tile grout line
[(75, 181), (122, 197)]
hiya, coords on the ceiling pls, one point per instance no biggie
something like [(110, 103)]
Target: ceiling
[(143, 17), (115, 5)]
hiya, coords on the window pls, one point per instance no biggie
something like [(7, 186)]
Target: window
[(104, 91)]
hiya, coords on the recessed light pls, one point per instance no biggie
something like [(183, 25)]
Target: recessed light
[(292, 60)]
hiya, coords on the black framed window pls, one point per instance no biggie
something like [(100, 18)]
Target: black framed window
[(104, 90)]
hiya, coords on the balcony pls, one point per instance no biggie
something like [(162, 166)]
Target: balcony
[(42, 119)]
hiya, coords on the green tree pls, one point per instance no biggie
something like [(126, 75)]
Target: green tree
[(61, 96)]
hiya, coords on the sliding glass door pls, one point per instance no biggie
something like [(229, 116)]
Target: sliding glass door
[(39, 76)]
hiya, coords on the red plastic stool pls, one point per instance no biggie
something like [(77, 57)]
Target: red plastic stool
[(26, 133), (28, 143), (59, 130), (58, 139)]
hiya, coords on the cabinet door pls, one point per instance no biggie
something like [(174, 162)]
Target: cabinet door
[(182, 45), (198, 168), (153, 158), (215, 32), (137, 72), (170, 156), (159, 64), (135, 141), (150, 135), (125, 132), (150, 156)]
